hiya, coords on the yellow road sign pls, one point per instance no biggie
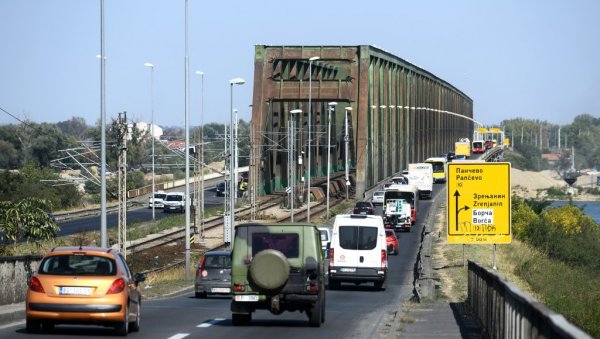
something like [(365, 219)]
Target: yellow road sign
[(479, 203)]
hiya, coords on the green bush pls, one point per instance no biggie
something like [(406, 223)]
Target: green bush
[(564, 233)]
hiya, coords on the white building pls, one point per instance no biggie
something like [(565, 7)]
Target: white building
[(143, 127)]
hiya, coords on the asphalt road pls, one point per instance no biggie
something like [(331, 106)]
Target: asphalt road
[(137, 214), (351, 312)]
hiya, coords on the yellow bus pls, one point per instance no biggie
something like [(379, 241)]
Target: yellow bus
[(439, 169)]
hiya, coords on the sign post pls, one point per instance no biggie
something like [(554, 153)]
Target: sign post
[(479, 203)]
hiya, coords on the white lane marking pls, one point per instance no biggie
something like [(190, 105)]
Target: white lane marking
[(179, 336), (209, 323)]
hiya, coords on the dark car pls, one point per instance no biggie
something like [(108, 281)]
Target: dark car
[(277, 267), (221, 187), (213, 275), (364, 207)]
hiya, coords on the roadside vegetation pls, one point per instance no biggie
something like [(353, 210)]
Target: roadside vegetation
[(554, 257)]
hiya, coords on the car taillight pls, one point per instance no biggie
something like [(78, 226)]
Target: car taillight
[(312, 287), (35, 285), (200, 266), (239, 288), (355, 210), (383, 259), (117, 287), (331, 257)]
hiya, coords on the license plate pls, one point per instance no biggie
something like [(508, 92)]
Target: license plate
[(253, 297), (70, 290), (220, 290), (348, 269)]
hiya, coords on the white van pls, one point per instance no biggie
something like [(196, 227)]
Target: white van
[(358, 251), (174, 202)]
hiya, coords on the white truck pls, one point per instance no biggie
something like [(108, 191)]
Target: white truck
[(396, 214), (421, 176)]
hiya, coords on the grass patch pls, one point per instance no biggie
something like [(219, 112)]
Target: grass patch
[(570, 291), (167, 282)]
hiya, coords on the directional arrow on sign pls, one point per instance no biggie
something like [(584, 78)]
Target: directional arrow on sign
[(456, 195)]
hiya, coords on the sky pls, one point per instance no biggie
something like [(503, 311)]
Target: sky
[(534, 59)]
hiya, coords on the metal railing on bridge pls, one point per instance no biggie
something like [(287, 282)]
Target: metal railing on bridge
[(506, 312)]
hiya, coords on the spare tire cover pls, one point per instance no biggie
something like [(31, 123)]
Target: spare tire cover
[(269, 270)]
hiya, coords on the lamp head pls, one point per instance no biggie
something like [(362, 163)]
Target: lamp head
[(237, 81), (147, 64), (296, 111), (314, 58), (331, 104)]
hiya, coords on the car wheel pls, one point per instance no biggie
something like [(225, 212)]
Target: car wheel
[(47, 327), (123, 327), (33, 326), (135, 325), (379, 285), (323, 305), (201, 295), (315, 313), (269, 270), (334, 285), (238, 319)]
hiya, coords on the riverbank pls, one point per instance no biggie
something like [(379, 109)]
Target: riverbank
[(528, 184)]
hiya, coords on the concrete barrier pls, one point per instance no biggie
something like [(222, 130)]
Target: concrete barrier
[(15, 273)]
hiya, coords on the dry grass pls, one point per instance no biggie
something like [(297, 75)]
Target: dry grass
[(452, 273)]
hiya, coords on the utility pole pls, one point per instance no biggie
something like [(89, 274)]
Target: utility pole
[(123, 132)]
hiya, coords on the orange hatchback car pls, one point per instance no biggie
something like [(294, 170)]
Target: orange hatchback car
[(84, 285)]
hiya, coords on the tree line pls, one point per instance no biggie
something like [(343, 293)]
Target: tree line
[(532, 138)]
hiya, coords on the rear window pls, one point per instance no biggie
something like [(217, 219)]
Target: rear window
[(388, 233), (324, 235), (160, 195), (378, 193), (78, 264), (217, 261), (286, 243), (358, 237)]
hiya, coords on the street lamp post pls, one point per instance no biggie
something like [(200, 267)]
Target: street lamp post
[(201, 155), (346, 141), (310, 61), (230, 223), (331, 108), (151, 66), (235, 153), (291, 159)]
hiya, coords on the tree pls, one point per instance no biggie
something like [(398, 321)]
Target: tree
[(27, 219)]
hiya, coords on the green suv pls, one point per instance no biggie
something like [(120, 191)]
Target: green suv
[(277, 267)]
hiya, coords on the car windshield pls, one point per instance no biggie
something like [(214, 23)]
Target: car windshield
[(358, 237), (174, 198), (78, 264), (378, 194), (362, 204), (286, 243)]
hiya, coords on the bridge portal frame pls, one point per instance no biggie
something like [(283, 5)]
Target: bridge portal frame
[(399, 112)]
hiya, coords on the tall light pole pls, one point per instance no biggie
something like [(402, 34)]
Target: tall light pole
[(151, 66), (329, 110), (310, 61), (187, 199), (291, 159), (235, 152), (346, 140), (201, 74), (103, 229), (232, 187)]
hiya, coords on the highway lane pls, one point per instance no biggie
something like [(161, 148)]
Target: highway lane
[(352, 311), (137, 214)]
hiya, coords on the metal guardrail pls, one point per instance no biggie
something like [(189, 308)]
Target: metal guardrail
[(506, 312)]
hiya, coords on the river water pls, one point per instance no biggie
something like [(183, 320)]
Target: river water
[(591, 208)]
